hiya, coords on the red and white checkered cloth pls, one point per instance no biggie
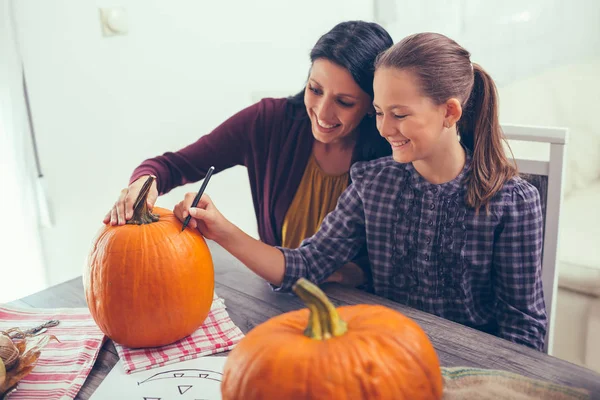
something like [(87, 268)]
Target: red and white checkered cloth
[(216, 335), (62, 367)]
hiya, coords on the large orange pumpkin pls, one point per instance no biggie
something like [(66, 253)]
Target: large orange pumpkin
[(354, 352), (148, 283)]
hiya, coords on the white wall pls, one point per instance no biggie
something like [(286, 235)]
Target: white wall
[(21, 264), (102, 105), (511, 39)]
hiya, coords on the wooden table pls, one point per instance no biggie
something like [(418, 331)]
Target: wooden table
[(250, 302)]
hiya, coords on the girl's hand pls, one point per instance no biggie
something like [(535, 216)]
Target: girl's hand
[(264, 260), (122, 210), (205, 217), (350, 274)]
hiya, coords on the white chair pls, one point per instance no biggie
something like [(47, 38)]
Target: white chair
[(540, 156)]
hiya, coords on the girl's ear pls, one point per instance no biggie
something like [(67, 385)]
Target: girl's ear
[(453, 112)]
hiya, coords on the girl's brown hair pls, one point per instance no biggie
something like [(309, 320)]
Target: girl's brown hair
[(445, 71)]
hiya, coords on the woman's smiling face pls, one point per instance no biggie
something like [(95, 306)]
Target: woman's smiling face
[(334, 102)]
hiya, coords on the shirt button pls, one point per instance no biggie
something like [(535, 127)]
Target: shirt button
[(426, 259), (428, 239), (432, 206), (430, 223), (434, 190)]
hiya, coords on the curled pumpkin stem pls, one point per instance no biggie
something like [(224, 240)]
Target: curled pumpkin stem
[(324, 321), (141, 213)]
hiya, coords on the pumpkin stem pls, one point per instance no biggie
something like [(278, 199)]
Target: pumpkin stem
[(324, 321), (141, 214)]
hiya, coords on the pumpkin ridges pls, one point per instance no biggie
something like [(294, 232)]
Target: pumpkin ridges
[(361, 351), (417, 377), (285, 368), (245, 361), (408, 330), (373, 368), (361, 355), (329, 356), (282, 366)]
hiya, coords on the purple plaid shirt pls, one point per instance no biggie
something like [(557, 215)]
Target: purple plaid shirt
[(430, 251)]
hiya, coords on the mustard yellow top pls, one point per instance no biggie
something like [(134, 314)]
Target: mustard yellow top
[(316, 196)]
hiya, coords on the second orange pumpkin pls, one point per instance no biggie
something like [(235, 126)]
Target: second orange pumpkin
[(352, 352)]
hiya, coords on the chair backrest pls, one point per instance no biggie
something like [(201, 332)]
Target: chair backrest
[(540, 156)]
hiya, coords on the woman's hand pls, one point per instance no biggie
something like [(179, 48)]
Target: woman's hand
[(122, 210), (205, 217)]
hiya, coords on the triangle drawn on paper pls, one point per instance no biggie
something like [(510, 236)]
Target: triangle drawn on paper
[(184, 388), (178, 375)]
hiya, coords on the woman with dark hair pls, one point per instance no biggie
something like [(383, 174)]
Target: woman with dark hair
[(298, 151), (450, 227)]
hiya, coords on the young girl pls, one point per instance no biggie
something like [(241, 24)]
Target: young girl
[(449, 226)]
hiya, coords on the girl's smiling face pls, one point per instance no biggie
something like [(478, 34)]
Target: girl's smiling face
[(410, 121)]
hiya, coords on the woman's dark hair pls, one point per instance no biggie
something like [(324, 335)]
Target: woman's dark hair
[(444, 71), (354, 45)]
